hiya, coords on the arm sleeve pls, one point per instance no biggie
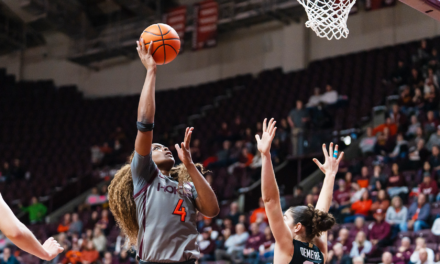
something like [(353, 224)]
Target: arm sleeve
[(143, 170)]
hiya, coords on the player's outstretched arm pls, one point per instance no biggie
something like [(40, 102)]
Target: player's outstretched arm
[(147, 104), (206, 201), (23, 238), (269, 189), (330, 168)]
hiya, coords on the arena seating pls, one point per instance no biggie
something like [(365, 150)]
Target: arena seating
[(51, 129)]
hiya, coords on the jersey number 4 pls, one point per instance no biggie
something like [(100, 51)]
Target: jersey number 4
[(179, 210)]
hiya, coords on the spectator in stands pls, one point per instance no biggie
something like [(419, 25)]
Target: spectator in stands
[(423, 257), (400, 148), (412, 129), (315, 99), (330, 96), (242, 219), (378, 176), (18, 172), (368, 142), (418, 155), (418, 215), (309, 200), (259, 211), (364, 178), (422, 55), (398, 117), (89, 255), (73, 256), (359, 225), (297, 119), (267, 248), (431, 124), (37, 211), (234, 245), (233, 213), (228, 224), (344, 240), (400, 74), (429, 187), (96, 155), (244, 160), (404, 252), (396, 215), (207, 247), (85, 238), (223, 156), (99, 240), (361, 246), (418, 100), (341, 198), (431, 80), (253, 243), (76, 225), (196, 153), (8, 258), (123, 258), (338, 256), (104, 222), (298, 196), (360, 208), (63, 240), (434, 139), (420, 249), (387, 258), (107, 259), (382, 202), (434, 160), (93, 198), (92, 221), (224, 133), (405, 100), (396, 184), (392, 127), (380, 231), (209, 225), (65, 224)]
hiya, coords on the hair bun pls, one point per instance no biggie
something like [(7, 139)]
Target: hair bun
[(322, 222)]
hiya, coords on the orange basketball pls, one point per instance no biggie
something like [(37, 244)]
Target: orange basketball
[(166, 42)]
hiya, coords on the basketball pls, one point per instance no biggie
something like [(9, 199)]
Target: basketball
[(166, 42)]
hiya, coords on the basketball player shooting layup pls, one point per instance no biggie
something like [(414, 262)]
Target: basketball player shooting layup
[(153, 202), (301, 233), (23, 238)]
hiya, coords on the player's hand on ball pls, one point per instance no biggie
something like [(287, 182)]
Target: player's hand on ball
[(145, 55), (52, 248), (183, 150), (266, 138), (331, 163)]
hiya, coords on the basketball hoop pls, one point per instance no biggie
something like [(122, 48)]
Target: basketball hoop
[(328, 18)]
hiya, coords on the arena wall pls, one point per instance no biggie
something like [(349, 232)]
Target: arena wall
[(248, 50)]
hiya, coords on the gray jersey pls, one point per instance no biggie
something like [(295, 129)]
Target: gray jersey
[(165, 213)]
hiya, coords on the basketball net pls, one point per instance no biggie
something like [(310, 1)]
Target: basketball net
[(328, 18)]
